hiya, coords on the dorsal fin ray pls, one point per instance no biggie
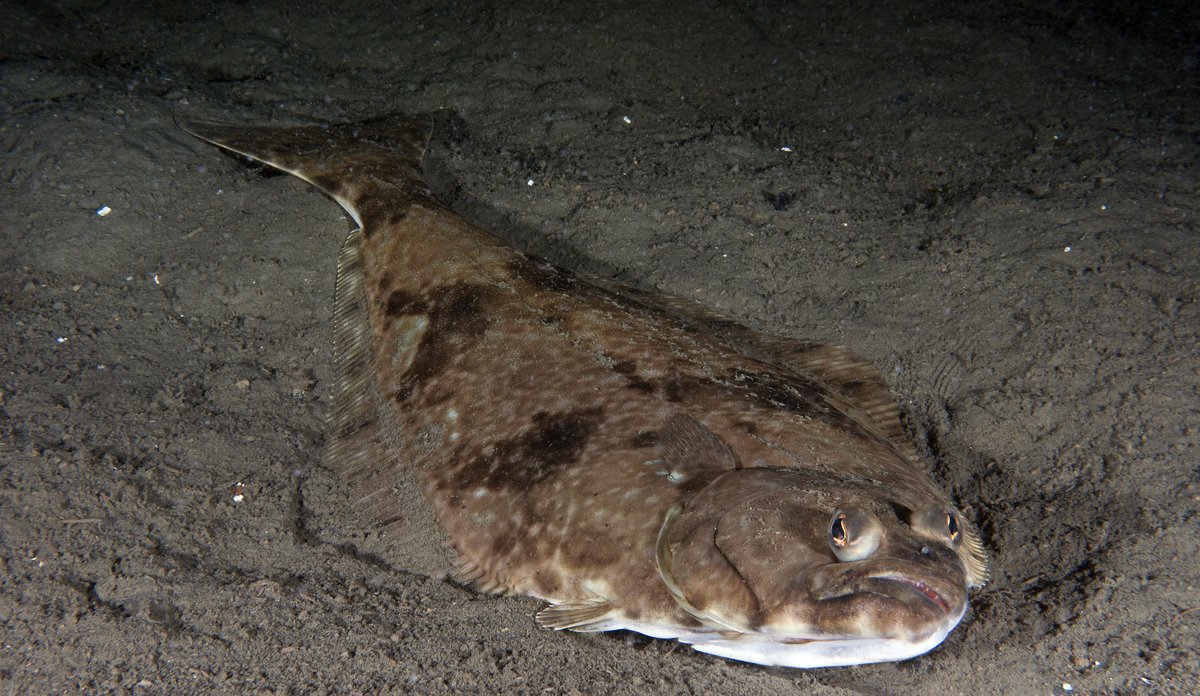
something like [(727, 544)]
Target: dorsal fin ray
[(361, 443)]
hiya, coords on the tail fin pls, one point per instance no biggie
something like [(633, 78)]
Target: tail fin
[(353, 163), (371, 169)]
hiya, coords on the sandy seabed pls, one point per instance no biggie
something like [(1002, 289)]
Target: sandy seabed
[(996, 204)]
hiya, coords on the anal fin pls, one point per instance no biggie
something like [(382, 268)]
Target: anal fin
[(478, 578)]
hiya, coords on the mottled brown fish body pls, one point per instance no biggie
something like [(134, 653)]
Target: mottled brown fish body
[(635, 461)]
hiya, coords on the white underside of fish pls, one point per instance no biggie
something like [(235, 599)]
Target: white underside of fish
[(788, 651)]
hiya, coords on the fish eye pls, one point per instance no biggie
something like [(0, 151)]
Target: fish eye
[(938, 522), (838, 531), (952, 526), (854, 534)]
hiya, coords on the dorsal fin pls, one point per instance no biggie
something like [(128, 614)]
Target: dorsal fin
[(852, 378), (855, 379)]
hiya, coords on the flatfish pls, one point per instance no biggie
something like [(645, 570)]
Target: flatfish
[(636, 461)]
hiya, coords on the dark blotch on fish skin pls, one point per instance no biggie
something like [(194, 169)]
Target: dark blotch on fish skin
[(328, 182), (457, 315), (384, 283), (641, 385), (376, 213), (795, 395), (400, 303), (546, 585), (646, 438), (677, 389), (771, 390), (747, 426), (553, 441), (503, 544), (680, 389)]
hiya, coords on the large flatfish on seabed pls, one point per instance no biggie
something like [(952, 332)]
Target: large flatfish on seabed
[(634, 460)]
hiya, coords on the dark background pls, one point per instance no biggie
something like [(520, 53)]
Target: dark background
[(996, 202)]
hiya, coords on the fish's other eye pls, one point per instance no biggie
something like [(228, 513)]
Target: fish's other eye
[(952, 526), (938, 522), (854, 534)]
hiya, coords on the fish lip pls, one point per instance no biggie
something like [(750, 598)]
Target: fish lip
[(923, 590)]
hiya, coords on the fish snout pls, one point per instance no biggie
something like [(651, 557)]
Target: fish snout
[(882, 597)]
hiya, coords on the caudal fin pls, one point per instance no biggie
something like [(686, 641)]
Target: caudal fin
[(354, 163)]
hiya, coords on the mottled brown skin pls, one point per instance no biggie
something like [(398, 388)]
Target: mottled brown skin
[(558, 387), (532, 405)]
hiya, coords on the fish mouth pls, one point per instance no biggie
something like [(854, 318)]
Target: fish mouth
[(919, 590), (922, 590)]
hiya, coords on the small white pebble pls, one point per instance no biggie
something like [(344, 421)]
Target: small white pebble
[(103, 210), (626, 119), (786, 148), (1067, 687), (1066, 250), (529, 182)]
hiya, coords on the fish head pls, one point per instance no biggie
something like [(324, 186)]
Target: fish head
[(787, 567)]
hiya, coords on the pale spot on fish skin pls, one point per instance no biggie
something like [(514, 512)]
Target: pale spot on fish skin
[(409, 330), (598, 587), (451, 419), (864, 624)]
